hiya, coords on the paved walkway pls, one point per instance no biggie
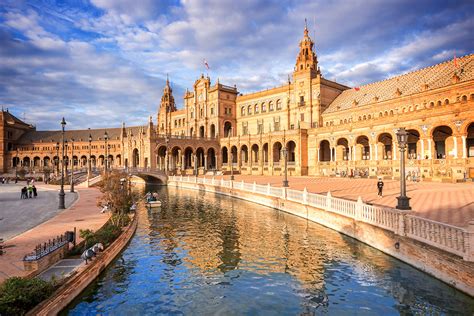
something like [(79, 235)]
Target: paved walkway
[(84, 214), (17, 215), (451, 203)]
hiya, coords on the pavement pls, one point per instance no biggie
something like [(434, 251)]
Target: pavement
[(83, 214), (450, 203), (18, 215), (61, 269)]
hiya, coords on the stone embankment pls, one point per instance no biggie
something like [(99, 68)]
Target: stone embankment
[(85, 275), (441, 250)]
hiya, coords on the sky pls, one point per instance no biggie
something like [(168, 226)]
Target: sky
[(102, 62)]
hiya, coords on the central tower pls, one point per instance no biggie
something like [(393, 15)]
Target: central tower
[(167, 106)]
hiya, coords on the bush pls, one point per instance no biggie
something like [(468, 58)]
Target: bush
[(19, 295)]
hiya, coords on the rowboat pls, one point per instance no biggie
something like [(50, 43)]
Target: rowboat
[(152, 204)]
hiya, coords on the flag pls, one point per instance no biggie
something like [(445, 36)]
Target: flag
[(455, 61), (206, 64), (356, 88)]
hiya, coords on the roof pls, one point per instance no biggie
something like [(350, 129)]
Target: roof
[(78, 135), (12, 119), (433, 77)]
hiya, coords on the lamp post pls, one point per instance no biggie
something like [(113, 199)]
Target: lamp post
[(57, 159), (72, 165), (284, 152), (89, 165), (231, 160), (61, 192), (16, 166), (403, 200), (167, 158), (106, 137)]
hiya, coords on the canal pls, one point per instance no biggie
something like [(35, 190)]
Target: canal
[(205, 254)]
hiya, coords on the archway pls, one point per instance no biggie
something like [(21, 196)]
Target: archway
[(324, 150), (342, 146), (136, 158), (363, 142), (277, 152), (83, 161), (188, 158), (291, 146), (201, 132), (36, 162), (227, 129), (265, 153), (26, 162), (254, 151), (213, 131), (470, 140), (161, 158), (191, 132), (211, 159), (412, 143), (46, 161), (244, 154), (200, 157), (234, 154), (225, 155), (440, 135), (384, 143)]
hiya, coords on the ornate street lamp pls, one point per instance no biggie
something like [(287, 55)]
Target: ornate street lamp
[(403, 200), (16, 166), (284, 152), (61, 192), (89, 165), (57, 159), (106, 137), (72, 165), (231, 160), (167, 158)]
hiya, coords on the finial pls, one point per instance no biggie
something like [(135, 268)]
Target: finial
[(167, 79), (305, 24)]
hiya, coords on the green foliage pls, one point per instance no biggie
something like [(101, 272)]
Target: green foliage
[(19, 295), (21, 173)]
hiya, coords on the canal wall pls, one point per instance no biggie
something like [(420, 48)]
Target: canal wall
[(449, 258), (85, 275)]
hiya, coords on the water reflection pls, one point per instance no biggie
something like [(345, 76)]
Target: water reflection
[(205, 254)]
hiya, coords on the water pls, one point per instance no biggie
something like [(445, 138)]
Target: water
[(205, 254)]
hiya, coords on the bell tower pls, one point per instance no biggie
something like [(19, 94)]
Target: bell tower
[(167, 106), (306, 59)]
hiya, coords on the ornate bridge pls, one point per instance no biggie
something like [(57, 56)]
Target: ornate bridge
[(148, 174)]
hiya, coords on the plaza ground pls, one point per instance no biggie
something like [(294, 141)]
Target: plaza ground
[(83, 214), (451, 203), (18, 215)]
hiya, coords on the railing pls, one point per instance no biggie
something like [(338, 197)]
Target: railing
[(456, 240), (42, 250)]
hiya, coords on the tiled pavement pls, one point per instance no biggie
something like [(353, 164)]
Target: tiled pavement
[(84, 214), (451, 203)]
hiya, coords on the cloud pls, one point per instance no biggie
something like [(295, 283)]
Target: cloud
[(105, 61)]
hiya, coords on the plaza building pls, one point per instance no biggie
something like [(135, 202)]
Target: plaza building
[(324, 127)]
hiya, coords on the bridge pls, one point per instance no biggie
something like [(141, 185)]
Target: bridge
[(148, 174)]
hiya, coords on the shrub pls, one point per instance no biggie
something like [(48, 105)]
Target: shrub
[(19, 295)]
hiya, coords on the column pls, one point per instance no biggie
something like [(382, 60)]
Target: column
[(330, 153), (422, 156), (183, 162), (354, 153), (429, 149), (205, 163), (335, 154), (370, 152), (464, 147), (455, 147), (317, 154), (394, 151)]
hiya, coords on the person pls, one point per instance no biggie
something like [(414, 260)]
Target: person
[(35, 193), (380, 187), (30, 191), (105, 208), (24, 195)]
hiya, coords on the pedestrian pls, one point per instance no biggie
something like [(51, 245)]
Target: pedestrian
[(380, 187), (23, 193), (30, 191), (35, 192)]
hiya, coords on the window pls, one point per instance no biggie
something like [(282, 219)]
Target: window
[(278, 104), (277, 126), (302, 117), (264, 107), (201, 112), (249, 109), (270, 106), (245, 130), (255, 109), (301, 103), (242, 111), (192, 114), (212, 111), (260, 128)]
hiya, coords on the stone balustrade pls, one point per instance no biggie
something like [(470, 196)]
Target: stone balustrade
[(455, 240)]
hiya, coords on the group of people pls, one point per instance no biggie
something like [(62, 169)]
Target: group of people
[(151, 197), (29, 192), (4, 180)]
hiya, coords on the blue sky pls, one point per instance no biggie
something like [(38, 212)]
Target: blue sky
[(101, 62)]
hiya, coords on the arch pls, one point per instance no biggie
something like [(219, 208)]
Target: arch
[(255, 109), (191, 132), (244, 154), (15, 161), (254, 153), (363, 142), (470, 140), (75, 161), (36, 161), (440, 135), (324, 150), (265, 152), (264, 107), (249, 110), (277, 146), (270, 106), (213, 131), (464, 98), (188, 158), (83, 161), (46, 161), (26, 161), (200, 157), (227, 129), (291, 146), (94, 161), (233, 154), (439, 103), (446, 101), (412, 143), (201, 132), (118, 159), (211, 159), (385, 143), (225, 155), (161, 158), (242, 111), (278, 104), (135, 158), (342, 145)]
